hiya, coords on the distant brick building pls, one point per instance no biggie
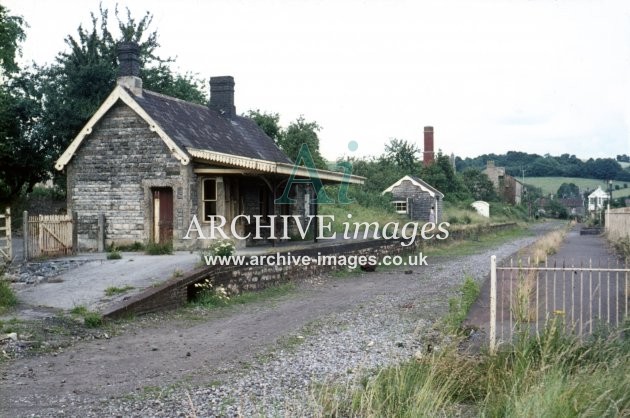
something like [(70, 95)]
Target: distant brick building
[(507, 187)]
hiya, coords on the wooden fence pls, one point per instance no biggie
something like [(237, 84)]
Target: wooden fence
[(6, 253), (618, 223), (47, 235)]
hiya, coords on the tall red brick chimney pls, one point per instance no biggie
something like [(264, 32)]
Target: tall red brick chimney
[(428, 153)]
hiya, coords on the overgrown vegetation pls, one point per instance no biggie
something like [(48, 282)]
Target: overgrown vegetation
[(459, 307), (159, 248), (552, 375), (211, 296), (7, 295), (523, 307), (114, 255), (622, 246), (91, 319), (113, 290)]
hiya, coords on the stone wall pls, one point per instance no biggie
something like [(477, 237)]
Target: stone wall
[(114, 171), (178, 291)]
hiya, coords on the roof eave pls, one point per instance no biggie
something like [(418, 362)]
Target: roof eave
[(272, 167), (119, 93)]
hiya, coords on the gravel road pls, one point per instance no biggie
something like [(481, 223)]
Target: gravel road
[(257, 359)]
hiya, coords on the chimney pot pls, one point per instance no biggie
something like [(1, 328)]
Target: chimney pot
[(129, 67), (222, 95), (428, 154)]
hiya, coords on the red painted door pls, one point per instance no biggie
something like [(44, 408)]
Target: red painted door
[(163, 215)]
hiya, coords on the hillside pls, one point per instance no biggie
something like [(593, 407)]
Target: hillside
[(551, 184)]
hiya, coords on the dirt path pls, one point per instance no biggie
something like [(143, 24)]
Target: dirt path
[(213, 346)]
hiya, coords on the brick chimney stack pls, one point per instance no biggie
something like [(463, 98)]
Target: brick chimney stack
[(222, 95), (428, 154), (129, 67)]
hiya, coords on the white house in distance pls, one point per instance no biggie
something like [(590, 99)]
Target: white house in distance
[(597, 200)]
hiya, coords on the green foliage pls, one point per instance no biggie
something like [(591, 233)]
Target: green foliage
[(7, 295), (557, 210), (11, 34), (568, 190), (136, 246), (113, 290), (269, 123), (159, 248), (209, 298), (42, 109), (403, 154), (114, 255), (79, 310), (92, 320), (458, 307), (441, 175), (302, 132), (552, 375), (565, 165), (222, 248), (479, 185)]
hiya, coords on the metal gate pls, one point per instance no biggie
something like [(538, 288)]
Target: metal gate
[(48, 236), (531, 293), (6, 253)]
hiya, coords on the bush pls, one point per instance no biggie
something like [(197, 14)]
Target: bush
[(222, 248), (453, 220), (114, 255), (7, 296), (92, 320), (159, 249)]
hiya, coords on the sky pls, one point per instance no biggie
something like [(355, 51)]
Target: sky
[(545, 77)]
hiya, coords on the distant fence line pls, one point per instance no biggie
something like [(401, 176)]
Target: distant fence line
[(618, 223)]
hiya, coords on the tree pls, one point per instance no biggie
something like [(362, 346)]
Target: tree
[(269, 123), (11, 35), (479, 185), (441, 175), (404, 154), (302, 132), (21, 161), (568, 190), (80, 79)]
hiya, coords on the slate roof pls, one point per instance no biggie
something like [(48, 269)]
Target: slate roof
[(195, 126), (427, 185), (418, 181)]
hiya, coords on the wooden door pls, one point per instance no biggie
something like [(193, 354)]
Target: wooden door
[(163, 215)]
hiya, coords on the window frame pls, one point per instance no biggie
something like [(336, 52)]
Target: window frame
[(204, 200), (400, 202)]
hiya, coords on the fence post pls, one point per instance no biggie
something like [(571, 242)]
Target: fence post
[(101, 232), (25, 234), (75, 232), (493, 303), (8, 226)]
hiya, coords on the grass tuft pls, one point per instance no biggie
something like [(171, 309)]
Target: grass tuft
[(114, 255), (7, 295), (554, 374), (159, 249), (113, 290)]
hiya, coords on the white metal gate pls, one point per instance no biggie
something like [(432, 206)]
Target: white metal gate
[(529, 294)]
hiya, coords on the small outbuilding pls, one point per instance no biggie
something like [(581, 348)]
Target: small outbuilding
[(482, 208), (417, 199), (597, 200)]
